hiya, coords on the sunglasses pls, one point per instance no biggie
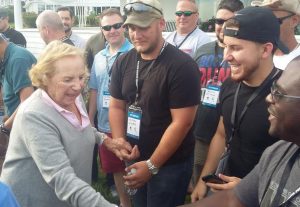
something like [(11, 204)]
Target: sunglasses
[(139, 7), (115, 26), (220, 21), (184, 13), (277, 95), (281, 19)]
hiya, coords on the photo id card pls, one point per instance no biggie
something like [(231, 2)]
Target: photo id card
[(211, 95), (134, 122), (105, 100)]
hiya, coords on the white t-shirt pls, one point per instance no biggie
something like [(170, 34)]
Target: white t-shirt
[(77, 40), (282, 61), (196, 39)]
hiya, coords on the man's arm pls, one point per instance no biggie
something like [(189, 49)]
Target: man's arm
[(92, 105), (23, 94), (182, 121), (117, 116), (216, 149), (225, 198)]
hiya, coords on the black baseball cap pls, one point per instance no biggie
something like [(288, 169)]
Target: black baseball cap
[(257, 24), (3, 12)]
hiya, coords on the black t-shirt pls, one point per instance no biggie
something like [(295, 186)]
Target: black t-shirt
[(209, 58), (252, 138), (15, 37), (172, 82)]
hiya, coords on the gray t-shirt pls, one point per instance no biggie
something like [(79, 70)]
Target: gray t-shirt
[(256, 189)]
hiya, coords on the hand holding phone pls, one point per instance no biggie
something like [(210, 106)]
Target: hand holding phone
[(212, 178)]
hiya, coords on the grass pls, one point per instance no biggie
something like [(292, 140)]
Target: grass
[(101, 186)]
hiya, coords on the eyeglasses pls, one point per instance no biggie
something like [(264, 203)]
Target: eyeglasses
[(281, 19), (184, 13), (220, 21), (277, 95), (139, 7), (115, 26)]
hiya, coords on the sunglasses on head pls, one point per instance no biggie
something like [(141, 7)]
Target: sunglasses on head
[(220, 21), (281, 19), (139, 7), (184, 13), (115, 26)]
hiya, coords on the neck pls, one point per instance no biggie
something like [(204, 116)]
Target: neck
[(184, 31), (3, 46), (154, 54), (291, 44), (260, 74), (69, 33), (114, 48)]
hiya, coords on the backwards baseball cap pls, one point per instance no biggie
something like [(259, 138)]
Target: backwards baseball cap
[(257, 24), (142, 12), (287, 5), (3, 12)]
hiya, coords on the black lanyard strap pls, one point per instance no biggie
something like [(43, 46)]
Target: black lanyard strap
[(235, 124), (109, 69), (178, 46), (285, 175), (138, 89)]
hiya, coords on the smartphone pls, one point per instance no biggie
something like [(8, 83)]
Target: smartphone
[(212, 178)]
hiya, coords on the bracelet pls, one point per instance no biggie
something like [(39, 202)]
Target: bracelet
[(4, 130), (103, 137)]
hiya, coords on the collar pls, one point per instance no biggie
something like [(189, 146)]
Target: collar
[(124, 48)]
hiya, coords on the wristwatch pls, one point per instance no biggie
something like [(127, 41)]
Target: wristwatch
[(4, 130), (153, 170)]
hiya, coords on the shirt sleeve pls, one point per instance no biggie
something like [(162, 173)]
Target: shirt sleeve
[(19, 76), (185, 86), (93, 78)]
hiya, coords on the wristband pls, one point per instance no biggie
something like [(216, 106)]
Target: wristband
[(4, 130)]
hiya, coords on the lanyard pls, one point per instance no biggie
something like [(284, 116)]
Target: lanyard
[(235, 124), (108, 69), (178, 46), (146, 74), (285, 175), (218, 64)]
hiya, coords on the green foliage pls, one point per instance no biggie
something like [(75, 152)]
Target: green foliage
[(100, 186), (208, 26), (92, 20), (29, 19)]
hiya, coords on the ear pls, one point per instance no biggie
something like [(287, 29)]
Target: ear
[(295, 20), (267, 49), (162, 24), (73, 20)]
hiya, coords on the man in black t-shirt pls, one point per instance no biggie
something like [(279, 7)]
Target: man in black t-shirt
[(209, 58), (243, 125), (155, 89), (10, 34)]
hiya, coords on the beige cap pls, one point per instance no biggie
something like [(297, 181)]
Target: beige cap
[(287, 5), (144, 19)]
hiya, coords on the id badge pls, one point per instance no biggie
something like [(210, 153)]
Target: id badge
[(105, 100), (211, 96), (134, 121)]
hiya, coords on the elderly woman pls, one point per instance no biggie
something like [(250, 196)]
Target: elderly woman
[(49, 158)]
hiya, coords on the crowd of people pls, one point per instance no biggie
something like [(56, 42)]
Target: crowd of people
[(167, 117)]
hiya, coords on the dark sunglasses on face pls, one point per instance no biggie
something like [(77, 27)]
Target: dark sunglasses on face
[(184, 13), (139, 7), (281, 19), (220, 21), (115, 26), (277, 95)]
